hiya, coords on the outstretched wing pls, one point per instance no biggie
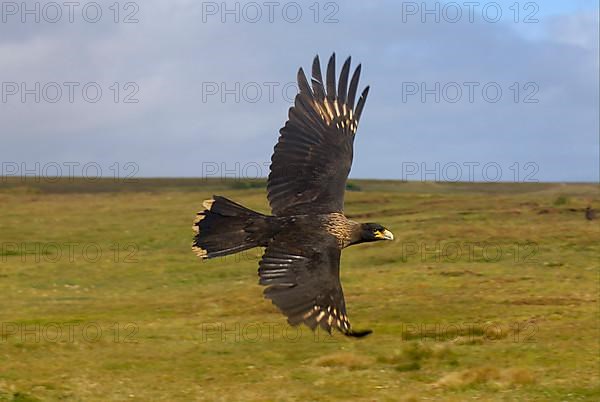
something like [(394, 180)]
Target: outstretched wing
[(304, 282), (312, 159)]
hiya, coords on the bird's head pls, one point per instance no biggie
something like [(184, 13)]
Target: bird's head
[(375, 232)]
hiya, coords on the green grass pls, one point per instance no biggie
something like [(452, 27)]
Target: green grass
[(489, 292)]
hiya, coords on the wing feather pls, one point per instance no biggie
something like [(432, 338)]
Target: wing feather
[(317, 79), (313, 157), (331, 94), (361, 103), (303, 83), (303, 281), (343, 84), (353, 87)]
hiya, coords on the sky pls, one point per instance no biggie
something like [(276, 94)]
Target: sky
[(460, 91)]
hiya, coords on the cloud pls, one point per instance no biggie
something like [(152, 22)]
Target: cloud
[(167, 59)]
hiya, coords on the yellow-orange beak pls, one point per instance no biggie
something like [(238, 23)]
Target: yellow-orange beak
[(385, 235)]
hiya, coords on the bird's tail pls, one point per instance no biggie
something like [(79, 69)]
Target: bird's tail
[(225, 227)]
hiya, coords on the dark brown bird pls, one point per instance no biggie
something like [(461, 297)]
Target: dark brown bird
[(590, 214), (307, 231)]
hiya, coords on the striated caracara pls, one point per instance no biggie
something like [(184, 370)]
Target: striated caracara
[(307, 230)]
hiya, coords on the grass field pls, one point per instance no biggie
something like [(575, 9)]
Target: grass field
[(489, 292)]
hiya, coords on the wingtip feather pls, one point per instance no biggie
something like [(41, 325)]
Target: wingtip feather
[(361, 103), (343, 84), (354, 86), (331, 78)]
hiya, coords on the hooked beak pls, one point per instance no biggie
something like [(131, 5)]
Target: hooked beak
[(385, 235)]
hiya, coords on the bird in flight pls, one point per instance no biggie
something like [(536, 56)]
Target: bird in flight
[(305, 235)]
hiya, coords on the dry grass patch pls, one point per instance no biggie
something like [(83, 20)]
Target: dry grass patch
[(465, 340), (490, 331), (501, 378), (347, 360), (414, 354)]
